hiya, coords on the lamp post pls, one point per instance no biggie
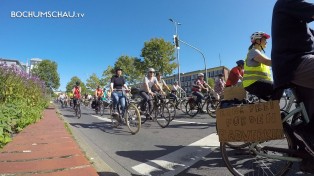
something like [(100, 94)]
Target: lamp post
[(177, 48)]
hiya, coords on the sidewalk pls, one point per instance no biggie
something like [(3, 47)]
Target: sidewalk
[(45, 148)]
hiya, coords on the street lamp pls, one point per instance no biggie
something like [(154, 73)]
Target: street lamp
[(177, 48)]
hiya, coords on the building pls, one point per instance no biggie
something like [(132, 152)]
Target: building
[(11, 62), (33, 62), (187, 79)]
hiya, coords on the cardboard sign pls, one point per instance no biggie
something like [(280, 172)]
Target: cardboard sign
[(231, 93), (250, 123)]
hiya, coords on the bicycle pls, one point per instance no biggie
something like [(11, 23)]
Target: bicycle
[(77, 109), (192, 108), (274, 157), (180, 104), (130, 116), (160, 110)]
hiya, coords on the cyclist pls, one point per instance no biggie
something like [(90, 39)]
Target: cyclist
[(219, 86), (116, 85), (293, 60), (197, 88), (161, 83), (76, 91), (235, 74), (174, 90), (256, 78), (146, 91), (98, 96)]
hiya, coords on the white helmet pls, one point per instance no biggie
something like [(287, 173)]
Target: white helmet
[(150, 70), (200, 74), (259, 35)]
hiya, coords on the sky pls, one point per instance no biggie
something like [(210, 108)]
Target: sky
[(108, 29)]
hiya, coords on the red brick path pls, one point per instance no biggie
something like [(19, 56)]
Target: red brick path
[(45, 148)]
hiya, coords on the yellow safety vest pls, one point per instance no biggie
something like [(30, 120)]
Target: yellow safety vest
[(253, 74)]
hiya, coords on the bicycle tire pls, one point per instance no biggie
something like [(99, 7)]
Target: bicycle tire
[(101, 109), (172, 109), (268, 167), (162, 115), (182, 105), (79, 114), (143, 114), (211, 108), (191, 108), (133, 118)]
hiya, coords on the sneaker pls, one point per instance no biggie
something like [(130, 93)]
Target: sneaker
[(114, 114)]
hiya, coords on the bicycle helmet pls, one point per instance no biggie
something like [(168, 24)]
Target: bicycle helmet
[(200, 74), (240, 62), (150, 70), (259, 35)]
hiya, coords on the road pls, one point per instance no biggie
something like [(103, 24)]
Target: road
[(188, 146)]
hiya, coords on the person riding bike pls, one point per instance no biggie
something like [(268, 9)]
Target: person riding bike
[(116, 85), (219, 86), (235, 74), (76, 91), (175, 88), (293, 61), (256, 78), (197, 88), (162, 83), (146, 92), (98, 96)]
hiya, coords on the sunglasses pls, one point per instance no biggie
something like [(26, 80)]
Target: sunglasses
[(151, 72)]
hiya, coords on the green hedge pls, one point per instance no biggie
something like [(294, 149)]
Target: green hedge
[(22, 101)]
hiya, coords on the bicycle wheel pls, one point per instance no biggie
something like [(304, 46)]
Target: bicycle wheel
[(182, 105), (243, 161), (133, 118), (172, 110), (143, 114), (101, 109), (211, 108), (79, 114), (162, 116), (191, 108)]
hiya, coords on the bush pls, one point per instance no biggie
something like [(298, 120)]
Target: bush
[(22, 101)]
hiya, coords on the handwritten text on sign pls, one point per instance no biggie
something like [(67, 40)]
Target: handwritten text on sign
[(254, 122)]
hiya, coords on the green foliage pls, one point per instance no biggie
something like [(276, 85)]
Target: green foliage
[(106, 75), (211, 82), (93, 81), (158, 54), (131, 67), (22, 100), (72, 82), (47, 72)]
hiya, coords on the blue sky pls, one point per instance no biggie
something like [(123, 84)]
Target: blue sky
[(111, 28)]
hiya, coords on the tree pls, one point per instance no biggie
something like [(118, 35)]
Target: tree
[(93, 81), (132, 69), (158, 54), (106, 75), (211, 82), (47, 72), (72, 83)]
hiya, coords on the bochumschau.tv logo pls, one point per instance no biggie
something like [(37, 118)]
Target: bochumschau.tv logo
[(46, 14)]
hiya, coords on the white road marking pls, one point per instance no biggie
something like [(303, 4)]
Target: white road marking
[(176, 162), (106, 119), (187, 122)]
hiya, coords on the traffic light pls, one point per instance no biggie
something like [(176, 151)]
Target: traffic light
[(176, 41)]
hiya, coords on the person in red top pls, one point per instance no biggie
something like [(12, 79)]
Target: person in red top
[(98, 94), (76, 93), (235, 74)]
